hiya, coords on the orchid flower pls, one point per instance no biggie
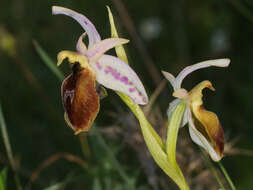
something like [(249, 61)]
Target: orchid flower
[(204, 126), (79, 94)]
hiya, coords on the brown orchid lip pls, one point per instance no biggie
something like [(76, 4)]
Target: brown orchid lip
[(215, 135), (205, 121), (219, 140), (80, 99)]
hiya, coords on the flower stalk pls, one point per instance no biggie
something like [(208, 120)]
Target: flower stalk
[(153, 141), (224, 171), (212, 168)]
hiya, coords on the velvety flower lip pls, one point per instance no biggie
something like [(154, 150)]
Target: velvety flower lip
[(204, 126), (80, 100), (90, 65)]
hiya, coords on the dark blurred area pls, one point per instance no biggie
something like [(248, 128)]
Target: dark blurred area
[(164, 35)]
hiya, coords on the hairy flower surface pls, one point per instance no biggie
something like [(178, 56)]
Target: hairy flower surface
[(79, 95), (204, 126)]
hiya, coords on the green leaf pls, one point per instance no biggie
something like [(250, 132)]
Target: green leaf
[(7, 144), (3, 179), (48, 61)]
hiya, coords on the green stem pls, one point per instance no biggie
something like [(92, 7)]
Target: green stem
[(224, 171), (114, 161), (8, 148), (85, 147), (6, 139), (212, 168), (48, 61), (17, 180)]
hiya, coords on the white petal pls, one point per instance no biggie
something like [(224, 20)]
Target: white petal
[(199, 139), (115, 74), (172, 107), (87, 25), (170, 78), (98, 49), (80, 46), (204, 64)]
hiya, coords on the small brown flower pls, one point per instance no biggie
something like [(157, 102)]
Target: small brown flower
[(204, 126), (90, 66)]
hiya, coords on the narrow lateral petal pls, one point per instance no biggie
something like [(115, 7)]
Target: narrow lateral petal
[(170, 78), (87, 25), (204, 64), (205, 121), (80, 46), (171, 109), (115, 74), (80, 100), (98, 49)]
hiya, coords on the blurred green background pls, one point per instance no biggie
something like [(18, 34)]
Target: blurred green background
[(164, 35)]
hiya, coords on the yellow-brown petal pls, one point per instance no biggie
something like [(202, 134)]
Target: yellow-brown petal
[(80, 99), (205, 121)]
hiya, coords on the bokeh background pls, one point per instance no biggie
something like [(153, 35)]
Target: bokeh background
[(164, 35)]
